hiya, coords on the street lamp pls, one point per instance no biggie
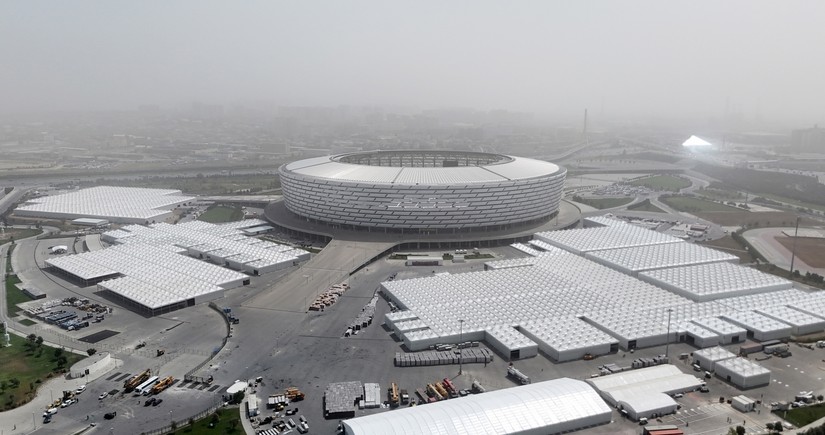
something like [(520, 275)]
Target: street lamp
[(793, 250), (460, 341), (667, 345)]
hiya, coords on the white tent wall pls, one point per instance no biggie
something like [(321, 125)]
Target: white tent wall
[(728, 332), (511, 344), (649, 406), (759, 327), (742, 373), (707, 358), (801, 323)]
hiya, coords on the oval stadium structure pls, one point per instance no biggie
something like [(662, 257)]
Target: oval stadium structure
[(422, 191)]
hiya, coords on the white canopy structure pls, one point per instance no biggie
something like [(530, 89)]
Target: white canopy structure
[(743, 372), (645, 392), (515, 303), (550, 407), (694, 141), (115, 204)]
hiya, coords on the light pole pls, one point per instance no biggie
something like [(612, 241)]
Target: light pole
[(793, 250), (667, 345), (460, 341)]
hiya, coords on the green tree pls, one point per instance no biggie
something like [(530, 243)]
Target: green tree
[(39, 341), (740, 430)]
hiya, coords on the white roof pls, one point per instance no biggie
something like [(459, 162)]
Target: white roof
[(660, 256), (632, 387), (715, 353), (511, 168), (791, 316), (548, 407), (594, 239), (694, 141), (715, 280), (753, 321), (109, 202), (567, 333), (742, 366)]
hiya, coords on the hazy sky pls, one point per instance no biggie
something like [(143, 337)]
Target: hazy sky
[(635, 58)]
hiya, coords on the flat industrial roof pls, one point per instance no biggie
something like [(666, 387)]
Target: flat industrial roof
[(108, 202)]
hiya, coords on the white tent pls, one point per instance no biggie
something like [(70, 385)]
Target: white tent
[(695, 141), (550, 407)]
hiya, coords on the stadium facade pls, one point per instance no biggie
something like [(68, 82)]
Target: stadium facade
[(423, 191)]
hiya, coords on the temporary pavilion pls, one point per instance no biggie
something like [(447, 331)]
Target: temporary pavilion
[(550, 407)]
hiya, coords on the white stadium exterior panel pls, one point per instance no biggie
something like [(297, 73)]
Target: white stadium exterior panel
[(436, 190)]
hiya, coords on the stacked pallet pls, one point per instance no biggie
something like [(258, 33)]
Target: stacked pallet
[(435, 358)]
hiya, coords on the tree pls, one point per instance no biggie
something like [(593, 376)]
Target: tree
[(39, 340), (237, 397), (91, 351), (820, 398), (740, 430)]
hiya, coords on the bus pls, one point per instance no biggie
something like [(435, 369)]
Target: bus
[(146, 387)]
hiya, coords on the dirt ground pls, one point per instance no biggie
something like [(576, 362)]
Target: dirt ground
[(808, 249), (741, 218)]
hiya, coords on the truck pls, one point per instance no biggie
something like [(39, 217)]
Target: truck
[(162, 385), (405, 397), (294, 394), (433, 392), (441, 390), (820, 343), (518, 375), (451, 390), (136, 380), (476, 387), (392, 395)]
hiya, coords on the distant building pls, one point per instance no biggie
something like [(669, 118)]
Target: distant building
[(809, 139)]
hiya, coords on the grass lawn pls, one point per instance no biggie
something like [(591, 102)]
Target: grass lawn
[(224, 424), (693, 205), (662, 182), (731, 246), (18, 234), (14, 296), (27, 322), (603, 203), (803, 415), (16, 362), (645, 206), (220, 214), (793, 201)]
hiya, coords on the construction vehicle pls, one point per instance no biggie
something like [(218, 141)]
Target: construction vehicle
[(517, 375), (433, 392), (422, 396), (392, 394), (162, 385), (477, 388), (442, 390), (277, 402), (450, 387), (294, 394), (136, 380)]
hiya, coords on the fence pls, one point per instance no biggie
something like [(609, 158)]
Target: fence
[(178, 424), (190, 375)]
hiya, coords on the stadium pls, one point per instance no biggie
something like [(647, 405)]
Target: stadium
[(423, 192)]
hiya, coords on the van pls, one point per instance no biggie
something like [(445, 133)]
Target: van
[(708, 375), (697, 368), (643, 421)]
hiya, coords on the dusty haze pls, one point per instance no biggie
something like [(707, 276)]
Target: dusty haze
[(625, 59)]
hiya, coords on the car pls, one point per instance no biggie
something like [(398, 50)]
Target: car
[(150, 401), (157, 402), (678, 396), (47, 419), (66, 403), (110, 415), (704, 389), (80, 389), (292, 411), (103, 395)]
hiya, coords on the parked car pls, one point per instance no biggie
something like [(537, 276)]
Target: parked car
[(150, 401), (110, 415), (157, 402), (103, 395), (80, 389)]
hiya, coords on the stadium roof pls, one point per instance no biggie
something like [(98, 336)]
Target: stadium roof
[(509, 168), (556, 406)]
